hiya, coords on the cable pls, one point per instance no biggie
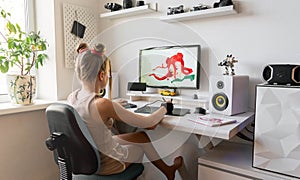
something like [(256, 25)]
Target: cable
[(151, 103), (249, 130), (242, 136)]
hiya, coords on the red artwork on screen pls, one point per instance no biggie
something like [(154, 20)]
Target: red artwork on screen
[(170, 62)]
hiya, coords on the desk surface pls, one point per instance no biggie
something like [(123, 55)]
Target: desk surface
[(180, 123), (223, 132)]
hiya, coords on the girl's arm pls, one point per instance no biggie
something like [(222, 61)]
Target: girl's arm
[(109, 109)]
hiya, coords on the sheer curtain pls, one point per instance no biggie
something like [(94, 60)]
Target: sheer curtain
[(22, 13)]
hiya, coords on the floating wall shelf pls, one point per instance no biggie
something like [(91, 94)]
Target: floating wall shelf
[(212, 12), (202, 99), (128, 12)]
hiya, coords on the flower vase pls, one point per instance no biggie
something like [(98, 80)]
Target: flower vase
[(21, 89)]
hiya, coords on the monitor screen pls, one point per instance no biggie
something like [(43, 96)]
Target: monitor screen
[(170, 67)]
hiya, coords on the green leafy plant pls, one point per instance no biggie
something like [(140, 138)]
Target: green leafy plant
[(24, 50)]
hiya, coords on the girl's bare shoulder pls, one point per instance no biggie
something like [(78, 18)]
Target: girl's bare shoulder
[(103, 103)]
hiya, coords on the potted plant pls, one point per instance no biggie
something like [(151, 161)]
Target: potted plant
[(23, 51)]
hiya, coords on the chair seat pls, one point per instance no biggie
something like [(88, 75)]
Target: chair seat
[(132, 172)]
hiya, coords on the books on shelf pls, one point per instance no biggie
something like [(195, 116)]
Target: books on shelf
[(209, 121)]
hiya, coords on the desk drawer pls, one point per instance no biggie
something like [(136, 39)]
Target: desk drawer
[(207, 173)]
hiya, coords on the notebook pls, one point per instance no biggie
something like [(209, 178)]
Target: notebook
[(209, 121)]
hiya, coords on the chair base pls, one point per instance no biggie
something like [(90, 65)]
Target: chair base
[(132, 172)]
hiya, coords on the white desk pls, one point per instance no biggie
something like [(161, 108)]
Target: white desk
[(178, 136), (180, 123), (223, 132)]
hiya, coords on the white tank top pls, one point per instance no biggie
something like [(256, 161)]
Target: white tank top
[(101, 134)]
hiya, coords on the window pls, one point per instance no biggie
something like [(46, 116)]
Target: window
[(21, 13)]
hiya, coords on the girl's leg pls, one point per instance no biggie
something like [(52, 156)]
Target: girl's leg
[(142, 140)]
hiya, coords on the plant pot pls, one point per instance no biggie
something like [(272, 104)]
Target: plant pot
[(21, 89)]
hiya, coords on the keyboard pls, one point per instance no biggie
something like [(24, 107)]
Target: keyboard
[(151, 109), (129, 105)]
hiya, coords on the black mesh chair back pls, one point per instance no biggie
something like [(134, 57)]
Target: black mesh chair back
[(74, 149), (82, 156)]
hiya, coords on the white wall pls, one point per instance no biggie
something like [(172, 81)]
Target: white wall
[(23, 153), (263, 32), (47, 75), (55, 80)]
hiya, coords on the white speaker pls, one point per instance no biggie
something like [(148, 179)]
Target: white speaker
[(276, 144), (228, 94)]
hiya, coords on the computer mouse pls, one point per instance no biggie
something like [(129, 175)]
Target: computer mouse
[(200, 110)]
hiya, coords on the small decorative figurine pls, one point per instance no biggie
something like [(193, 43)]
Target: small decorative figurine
[(228, 63), (175, 10), (199, 7)]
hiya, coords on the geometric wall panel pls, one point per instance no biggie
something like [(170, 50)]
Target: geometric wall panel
[(277, 129), (85, 16)]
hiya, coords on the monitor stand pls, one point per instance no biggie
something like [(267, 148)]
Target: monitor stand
[(150, 90)]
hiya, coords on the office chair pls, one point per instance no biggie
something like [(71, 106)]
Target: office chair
[(74, 150)]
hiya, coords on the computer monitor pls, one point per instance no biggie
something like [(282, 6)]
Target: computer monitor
[(170, 67)]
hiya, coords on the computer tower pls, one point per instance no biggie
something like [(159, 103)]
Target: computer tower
[(276, 144)]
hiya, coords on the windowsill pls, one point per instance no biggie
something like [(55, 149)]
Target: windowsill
[(9, 108)]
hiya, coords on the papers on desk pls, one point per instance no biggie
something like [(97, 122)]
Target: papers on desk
[(209, 121)]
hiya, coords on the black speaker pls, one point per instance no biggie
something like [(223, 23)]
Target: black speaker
[(282, 74), (140, 3), (127, 4), (223, 3), (136, 86)]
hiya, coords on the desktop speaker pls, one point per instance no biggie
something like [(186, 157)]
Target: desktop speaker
[(136, 86), (127, 4), (228, 94), (282, 74)]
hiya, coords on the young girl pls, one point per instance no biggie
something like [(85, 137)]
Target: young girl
[(119, 151)]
